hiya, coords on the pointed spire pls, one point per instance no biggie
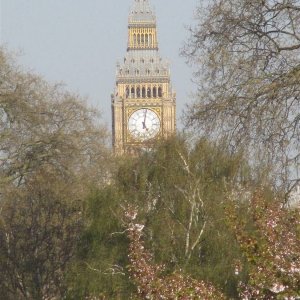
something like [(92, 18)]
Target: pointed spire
[(141, 12)]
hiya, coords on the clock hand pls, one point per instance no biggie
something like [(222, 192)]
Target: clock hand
[(144, 123)]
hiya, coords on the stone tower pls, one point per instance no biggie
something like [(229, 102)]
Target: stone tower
[(143, 103)]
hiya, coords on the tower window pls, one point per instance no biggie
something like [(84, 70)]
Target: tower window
[(154, 92), (138, 39), (138, 92), (152, 60), (148, 72), (142, 60), (160, 92), (137, 72), (132, 60), (148, 92), (127, 92), (143, 92), (134, 39), (132, 92)]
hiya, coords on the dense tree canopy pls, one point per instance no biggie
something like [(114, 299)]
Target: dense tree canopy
[(51, 150), (180, 193)]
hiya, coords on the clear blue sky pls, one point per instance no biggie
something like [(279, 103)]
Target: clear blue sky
[(78, 42)]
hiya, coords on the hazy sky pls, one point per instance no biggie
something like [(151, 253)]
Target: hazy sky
[(78, 42)]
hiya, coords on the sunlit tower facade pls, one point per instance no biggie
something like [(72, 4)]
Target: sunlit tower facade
[(143, 103)]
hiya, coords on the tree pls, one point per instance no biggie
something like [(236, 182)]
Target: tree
[(149, 278), (246, 55), (99, 270), (270, 242), (268, 236), (51, 151), (40, 224), (42, 125), (180, 191)]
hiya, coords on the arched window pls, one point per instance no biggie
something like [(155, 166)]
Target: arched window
[(127, 92), (154, 92), (138, 92), (146, 40), (134, 39), (148, 92), (132, 92), (148, 72), (160, 92), (137, 72), (138, 39), (143, 92), (142, 39), (150, 39)]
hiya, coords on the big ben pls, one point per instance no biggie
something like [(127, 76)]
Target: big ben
[(143, 103)]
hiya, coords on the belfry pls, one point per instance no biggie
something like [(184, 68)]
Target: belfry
[(143, 103)]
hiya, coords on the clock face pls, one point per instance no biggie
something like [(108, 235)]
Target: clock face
[(143, 124)]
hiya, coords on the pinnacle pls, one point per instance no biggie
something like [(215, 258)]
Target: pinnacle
[(141, 12)]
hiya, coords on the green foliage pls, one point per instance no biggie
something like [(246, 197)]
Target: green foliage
[(100, 267), (51, 151), (149, 277), (181, 193), (39, 228), (269, 239)]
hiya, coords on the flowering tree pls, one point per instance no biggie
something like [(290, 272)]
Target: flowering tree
[(269, 240), (272, 249), (149, 278)]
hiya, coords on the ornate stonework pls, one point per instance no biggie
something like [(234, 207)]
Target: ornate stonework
[(143, 103)]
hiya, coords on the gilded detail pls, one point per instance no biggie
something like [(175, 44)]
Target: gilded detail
[(143, 103)]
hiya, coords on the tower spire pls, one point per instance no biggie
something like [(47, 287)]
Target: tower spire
[(141, 12), (142, 33)]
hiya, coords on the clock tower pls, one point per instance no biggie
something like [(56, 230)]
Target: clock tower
[(143, 103)]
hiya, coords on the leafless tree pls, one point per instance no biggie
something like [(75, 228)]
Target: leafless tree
[(247, 60), (43, 125)]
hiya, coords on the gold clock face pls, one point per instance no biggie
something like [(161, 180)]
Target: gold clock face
[(144, 124)]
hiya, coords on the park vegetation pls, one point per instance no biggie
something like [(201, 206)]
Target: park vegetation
[(203, 215)]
